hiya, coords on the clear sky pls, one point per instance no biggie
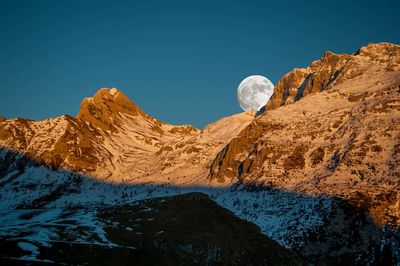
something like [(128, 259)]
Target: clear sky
[(180, 61)]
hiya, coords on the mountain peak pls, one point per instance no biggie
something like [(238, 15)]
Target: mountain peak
[(379, 49), (103, 109), (111, 93), (333, 69)]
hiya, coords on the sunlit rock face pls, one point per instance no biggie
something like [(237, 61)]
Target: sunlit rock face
[(331, 70), (338, 137), (104, 108)]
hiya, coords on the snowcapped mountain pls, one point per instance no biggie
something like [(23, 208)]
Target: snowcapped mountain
[(317, 170), (113, 139), (336, 132)]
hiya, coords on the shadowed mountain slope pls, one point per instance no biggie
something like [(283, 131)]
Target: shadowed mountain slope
[(189, 229)]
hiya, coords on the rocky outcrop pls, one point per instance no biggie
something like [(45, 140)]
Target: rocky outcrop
[(104, 109), (58, 142), (221, 166), (302, 81), (331, 70)]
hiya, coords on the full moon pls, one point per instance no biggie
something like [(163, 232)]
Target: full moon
[(254, 92)]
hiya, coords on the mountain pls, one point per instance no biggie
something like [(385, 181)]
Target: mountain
[(317, 169), (330, 129), (112, 139)]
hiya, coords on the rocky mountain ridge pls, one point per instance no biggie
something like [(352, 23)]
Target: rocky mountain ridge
[(112, 137), (330, 70), (342, 141)]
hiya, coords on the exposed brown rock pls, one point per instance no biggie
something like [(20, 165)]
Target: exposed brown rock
[(331, 69), (184, 130), (295, 160), (317, 156), (104, 108), (301, 82), (220, 168)]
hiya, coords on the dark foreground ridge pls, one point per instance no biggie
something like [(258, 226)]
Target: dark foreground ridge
[(188, 229)]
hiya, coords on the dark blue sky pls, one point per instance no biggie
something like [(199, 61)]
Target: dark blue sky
[(181, 61)]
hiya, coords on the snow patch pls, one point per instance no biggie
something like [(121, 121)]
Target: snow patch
[(113, 91), (34, 250)]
